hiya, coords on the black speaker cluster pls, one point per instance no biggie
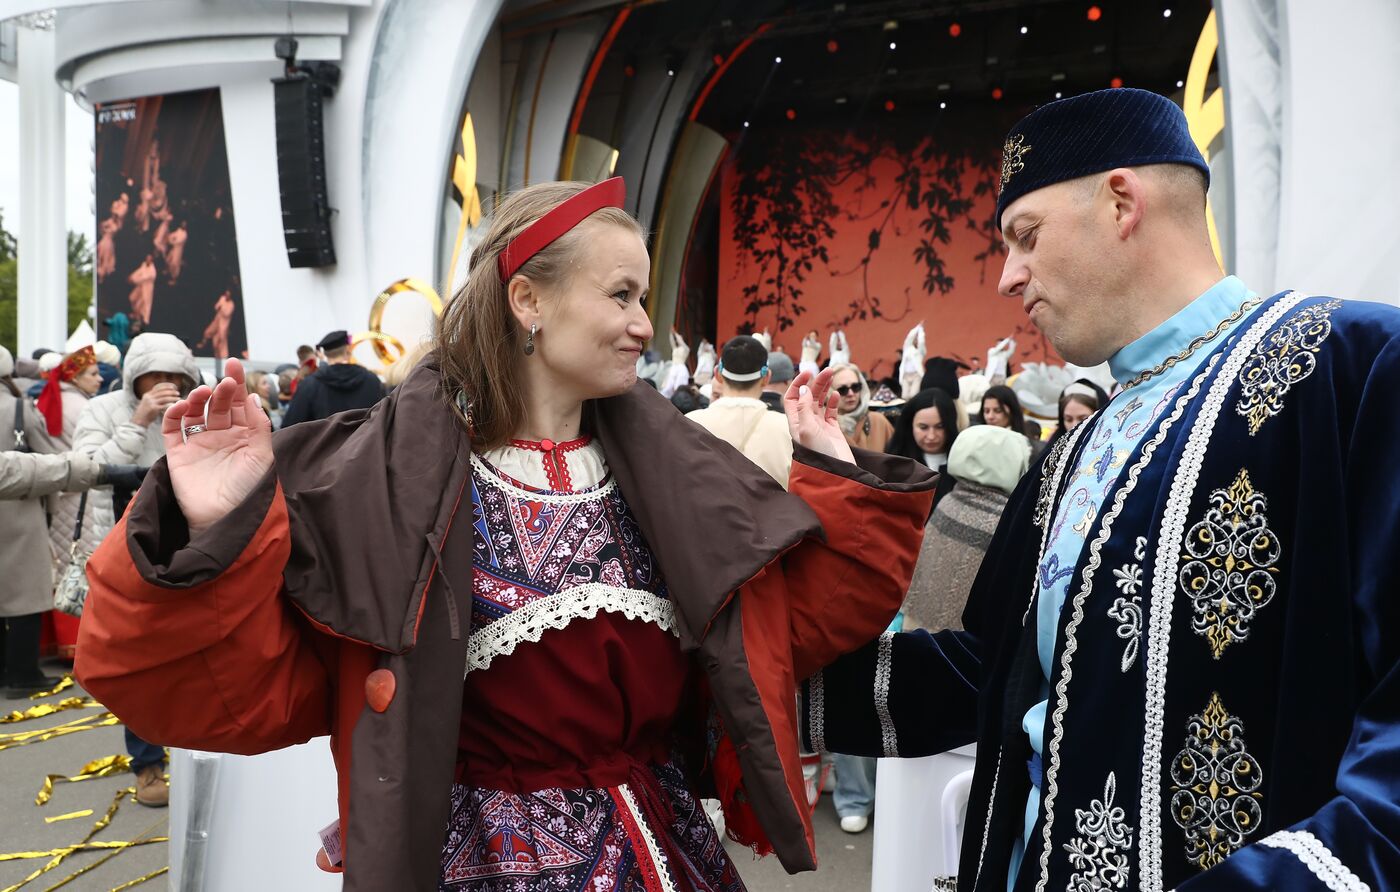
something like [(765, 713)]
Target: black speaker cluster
[(298, 104)]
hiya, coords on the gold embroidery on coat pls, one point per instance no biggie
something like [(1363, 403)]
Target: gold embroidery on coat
[(1284, 358), (1230, 564), (1215, 787)]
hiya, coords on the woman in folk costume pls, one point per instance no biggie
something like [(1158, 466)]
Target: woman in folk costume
[(529, 670), (67, 388)]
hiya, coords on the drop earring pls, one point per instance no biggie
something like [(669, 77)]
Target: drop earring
[(530, 341)]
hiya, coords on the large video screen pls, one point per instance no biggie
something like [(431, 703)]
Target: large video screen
[(167, 256)]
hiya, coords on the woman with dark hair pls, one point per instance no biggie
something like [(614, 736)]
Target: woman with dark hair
[(1078, 402), (529, 670), (1002, 408), (925, 431)]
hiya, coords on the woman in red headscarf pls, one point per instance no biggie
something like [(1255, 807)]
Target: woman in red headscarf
[(67, 389)]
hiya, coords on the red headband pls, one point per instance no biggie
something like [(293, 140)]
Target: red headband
[(544, 231)]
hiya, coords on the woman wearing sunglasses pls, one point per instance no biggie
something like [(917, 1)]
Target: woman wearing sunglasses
[(863, 428)]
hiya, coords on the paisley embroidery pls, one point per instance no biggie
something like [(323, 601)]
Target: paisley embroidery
[(1215, 784), (1099, 853), (1128, 609), (1284, 358), (1229, 564)]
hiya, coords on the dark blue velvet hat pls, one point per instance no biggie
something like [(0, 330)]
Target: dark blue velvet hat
[(1087, 134)]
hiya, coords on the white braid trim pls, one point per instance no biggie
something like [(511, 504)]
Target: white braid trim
[(529, 623), (883, 667), (1318, 858), (492, 479), (658, 858)]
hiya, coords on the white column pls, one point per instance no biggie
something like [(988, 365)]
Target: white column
[(43, 238)]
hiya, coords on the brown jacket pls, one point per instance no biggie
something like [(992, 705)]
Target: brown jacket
[(193, 642)]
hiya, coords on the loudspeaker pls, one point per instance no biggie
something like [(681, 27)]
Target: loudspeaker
[(301, 169)]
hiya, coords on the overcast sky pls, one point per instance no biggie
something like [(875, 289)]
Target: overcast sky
[(77, 197)]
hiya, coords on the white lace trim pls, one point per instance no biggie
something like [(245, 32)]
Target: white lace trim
[(658, 858), (987, 826), (1164, 583), (529, 623), (816, 713), (883, 667), (578, 498), (1052, 770), (1318, 858)]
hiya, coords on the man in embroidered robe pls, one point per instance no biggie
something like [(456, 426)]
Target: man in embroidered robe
[(1182, 656)]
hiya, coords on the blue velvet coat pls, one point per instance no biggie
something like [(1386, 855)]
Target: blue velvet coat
[(1224, 711)]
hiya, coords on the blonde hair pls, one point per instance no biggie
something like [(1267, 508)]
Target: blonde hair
[(398, 370), (479, 342)]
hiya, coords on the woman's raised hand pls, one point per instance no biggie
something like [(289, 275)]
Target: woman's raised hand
[(218, 443), (810, 406)]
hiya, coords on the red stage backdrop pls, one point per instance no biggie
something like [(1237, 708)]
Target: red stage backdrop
[(824, 231)]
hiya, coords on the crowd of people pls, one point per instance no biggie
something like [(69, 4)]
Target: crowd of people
[(83, 429), (644, 577)]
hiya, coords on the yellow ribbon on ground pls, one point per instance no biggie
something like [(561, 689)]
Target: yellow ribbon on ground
[(61, 854), (116, 850), (68, 817), (43, 709), (98, 846), (86, 723), (63, 685), (139, 880), (104, 767)]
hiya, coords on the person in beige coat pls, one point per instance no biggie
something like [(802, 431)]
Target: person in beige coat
[(740, 417), (863, 428), (26, 585)]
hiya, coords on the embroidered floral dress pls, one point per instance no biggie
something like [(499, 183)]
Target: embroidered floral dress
[(573, 687)]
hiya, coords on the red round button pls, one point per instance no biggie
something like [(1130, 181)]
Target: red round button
[(547, 445), (379, 689)]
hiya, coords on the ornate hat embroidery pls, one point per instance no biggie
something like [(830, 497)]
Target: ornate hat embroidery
[(1013, 158)]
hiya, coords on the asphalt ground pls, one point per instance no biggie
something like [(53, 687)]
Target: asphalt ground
[(23, 828), (845, 859)]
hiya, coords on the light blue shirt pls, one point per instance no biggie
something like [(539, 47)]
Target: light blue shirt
[(1120, 428)]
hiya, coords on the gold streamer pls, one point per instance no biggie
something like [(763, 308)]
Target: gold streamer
[(63, 685), (43, 709), (116, 850), (139, 880), (86, 723), (68, 817), (104, 767), (63, 854), (98, 846)]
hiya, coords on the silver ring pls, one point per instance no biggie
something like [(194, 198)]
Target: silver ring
[(187, 432)]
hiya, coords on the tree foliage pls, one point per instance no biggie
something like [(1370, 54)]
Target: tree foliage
[(79, 284)]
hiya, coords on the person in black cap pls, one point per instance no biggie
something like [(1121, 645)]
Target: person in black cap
[(336, 386), (1181, 660)]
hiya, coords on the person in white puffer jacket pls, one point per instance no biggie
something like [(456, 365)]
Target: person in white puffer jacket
[(123, 427)]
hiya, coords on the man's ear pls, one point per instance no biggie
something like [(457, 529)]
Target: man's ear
[(1128, 193)]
